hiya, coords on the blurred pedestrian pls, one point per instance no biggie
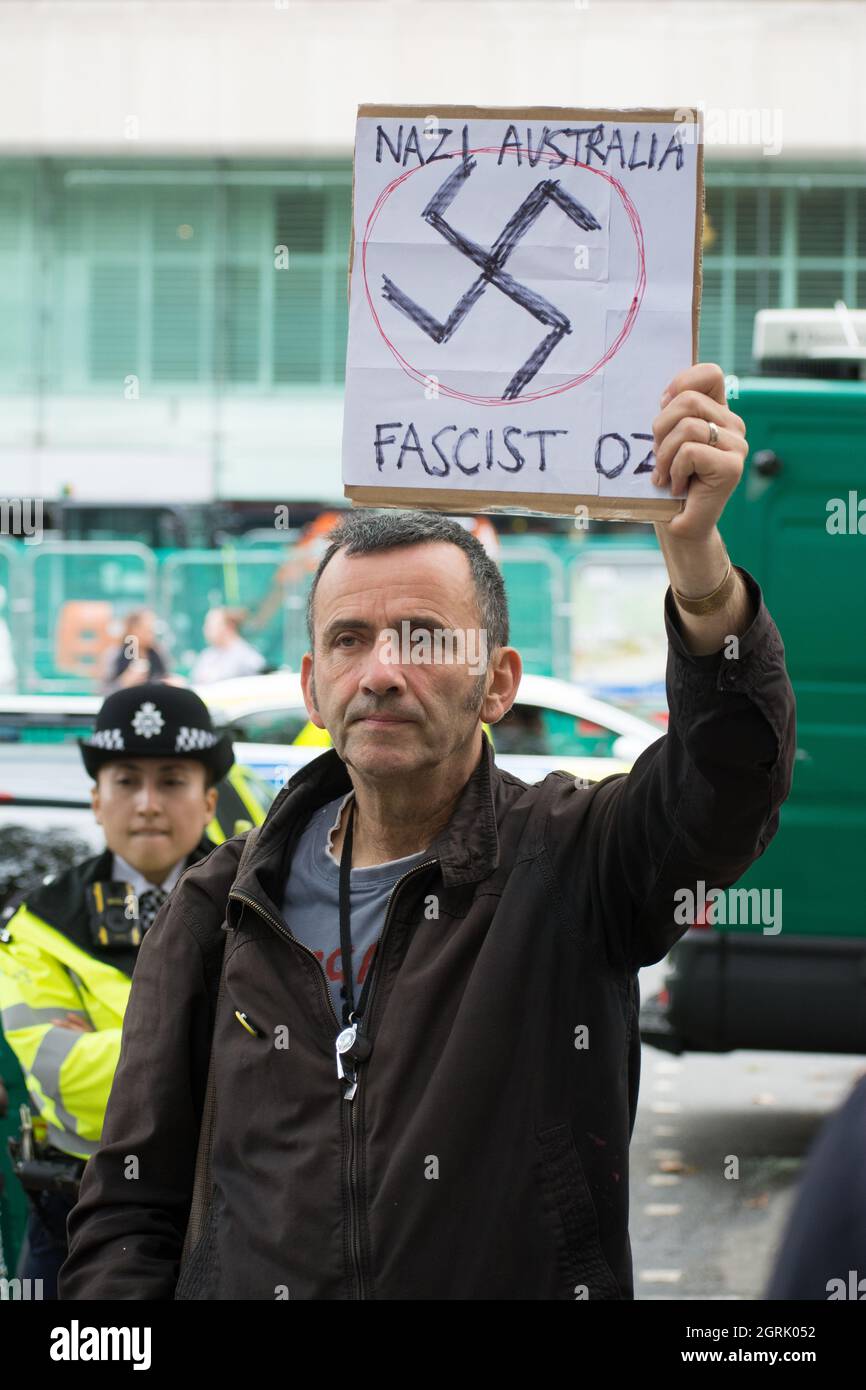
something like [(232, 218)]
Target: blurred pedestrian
[(137, 658), (227, 654)]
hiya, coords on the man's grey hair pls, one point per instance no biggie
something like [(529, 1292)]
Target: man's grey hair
[(362, 532)]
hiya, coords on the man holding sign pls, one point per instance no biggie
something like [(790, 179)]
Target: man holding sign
[(444, 1110)]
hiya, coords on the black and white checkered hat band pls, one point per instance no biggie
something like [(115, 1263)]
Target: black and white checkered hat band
[(188, 739), (107, 738)]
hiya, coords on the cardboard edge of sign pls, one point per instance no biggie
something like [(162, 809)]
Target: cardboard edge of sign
[(458, 501), (678, 115), (599, 508)]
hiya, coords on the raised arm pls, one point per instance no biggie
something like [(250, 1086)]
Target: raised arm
[(702, 803), (700, 449)]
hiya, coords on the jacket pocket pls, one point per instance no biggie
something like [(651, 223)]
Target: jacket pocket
[(199, 1275), (585, 1271)]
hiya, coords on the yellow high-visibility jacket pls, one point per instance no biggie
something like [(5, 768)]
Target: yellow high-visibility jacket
[(51, 966), (243, 799)]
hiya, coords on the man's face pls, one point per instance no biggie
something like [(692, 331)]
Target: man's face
[(153, 810), (387, 715)]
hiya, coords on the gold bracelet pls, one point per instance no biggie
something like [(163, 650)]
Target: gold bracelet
[(710, 602)]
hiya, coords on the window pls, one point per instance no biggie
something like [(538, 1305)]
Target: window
[(182, 280), (777, 238), (528, 729), (268, 726)]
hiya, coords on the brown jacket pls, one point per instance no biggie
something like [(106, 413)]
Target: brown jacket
[(485, 1155)]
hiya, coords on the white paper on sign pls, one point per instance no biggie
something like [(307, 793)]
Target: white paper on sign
[(521, 294)]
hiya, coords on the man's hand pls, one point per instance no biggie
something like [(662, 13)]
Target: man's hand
[(684, 456), (691, 543)]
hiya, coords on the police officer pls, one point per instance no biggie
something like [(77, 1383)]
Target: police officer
[(68, 949)]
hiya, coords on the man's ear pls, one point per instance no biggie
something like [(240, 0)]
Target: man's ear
[(95, 802), (506, 670), (308, 686)]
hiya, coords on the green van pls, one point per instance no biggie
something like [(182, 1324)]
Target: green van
[(795, 980)]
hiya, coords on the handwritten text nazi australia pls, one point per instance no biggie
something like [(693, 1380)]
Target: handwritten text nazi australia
[(407, 146)]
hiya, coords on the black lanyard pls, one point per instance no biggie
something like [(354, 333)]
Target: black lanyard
[(352, 1046), (345, 919)]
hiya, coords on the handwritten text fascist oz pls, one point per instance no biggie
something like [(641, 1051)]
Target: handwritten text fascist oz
[(452, 451)]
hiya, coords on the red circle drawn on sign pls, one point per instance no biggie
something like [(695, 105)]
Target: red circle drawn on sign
[(639, 287)]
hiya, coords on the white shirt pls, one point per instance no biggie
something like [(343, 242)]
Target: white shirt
[(240, 658), (125, 873)]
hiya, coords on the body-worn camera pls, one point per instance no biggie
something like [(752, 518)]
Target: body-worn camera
[(112, 910)]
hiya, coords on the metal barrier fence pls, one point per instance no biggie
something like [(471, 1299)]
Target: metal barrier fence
[(539, 608), (616, 620), (66, 597), (589, 611), (193, 581), (8, 668)]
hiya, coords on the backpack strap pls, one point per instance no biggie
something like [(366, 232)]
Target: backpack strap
[(201, 1192)]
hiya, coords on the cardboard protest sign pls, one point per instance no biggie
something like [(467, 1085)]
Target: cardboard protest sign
[(523, 285)]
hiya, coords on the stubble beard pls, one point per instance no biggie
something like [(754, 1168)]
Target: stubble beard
[(471, 704)]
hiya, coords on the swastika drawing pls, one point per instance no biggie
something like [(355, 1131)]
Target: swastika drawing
[(491, 263)]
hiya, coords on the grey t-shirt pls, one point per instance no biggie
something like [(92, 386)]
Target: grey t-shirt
[(311, 907)]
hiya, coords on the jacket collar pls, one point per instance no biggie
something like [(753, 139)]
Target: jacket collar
[(467, 847)]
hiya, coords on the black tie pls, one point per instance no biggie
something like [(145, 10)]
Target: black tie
[(149, 904)]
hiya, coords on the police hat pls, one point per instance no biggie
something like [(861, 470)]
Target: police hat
[(156, 720)]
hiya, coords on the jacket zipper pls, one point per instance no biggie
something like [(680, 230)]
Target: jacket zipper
[(351, 1147), (351, 1162)]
